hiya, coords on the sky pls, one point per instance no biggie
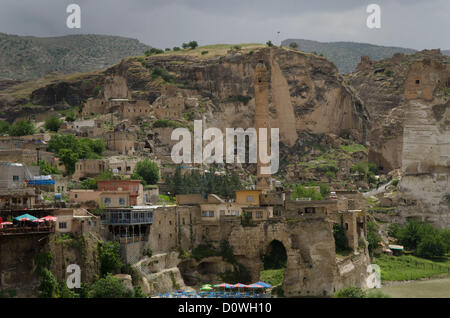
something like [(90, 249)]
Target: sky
[(417, 24)]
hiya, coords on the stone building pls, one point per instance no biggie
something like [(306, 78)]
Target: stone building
[(76, 221), (88, 168), (425, 76), (133, 187), (120, 141)]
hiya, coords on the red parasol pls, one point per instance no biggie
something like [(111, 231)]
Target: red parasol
[(49, 218)]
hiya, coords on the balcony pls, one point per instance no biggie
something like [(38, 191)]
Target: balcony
[(128, 218), (27, 230)]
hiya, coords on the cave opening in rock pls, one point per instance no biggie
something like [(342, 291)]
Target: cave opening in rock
[(275, 257)]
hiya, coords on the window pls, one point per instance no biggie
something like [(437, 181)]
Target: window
[(207, 213), (250, 198), (121, 201), (62, 225), (76, 195), (417, 82), (107, 201), (16, 178), (259, 215)]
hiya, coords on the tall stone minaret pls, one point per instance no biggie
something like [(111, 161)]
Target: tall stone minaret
[(261, 80)]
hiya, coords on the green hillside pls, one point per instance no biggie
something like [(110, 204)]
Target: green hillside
[(27, 57), (346, 55)]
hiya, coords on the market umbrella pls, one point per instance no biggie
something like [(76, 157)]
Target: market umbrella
[(49, 218), (25, 217), (206, 287), (255, 286), (239, 286), (6, 223), (265, 285), (38, 221), (224, 285)]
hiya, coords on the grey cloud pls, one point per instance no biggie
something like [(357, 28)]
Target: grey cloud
[(165, 23)]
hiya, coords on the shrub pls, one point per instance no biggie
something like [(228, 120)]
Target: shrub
[(377, 294), (108, 287), (176, 48), (269, 43), (4, 127), (21, 128), (108, 253), (302, 192), (293, 45), (205, 52), (160, 72), (203, 251), (373, 237), (53, 124), (48, 286), (148, 171), (153, 51), (148, 252), (431, 246), (193, 44), (350, 292)]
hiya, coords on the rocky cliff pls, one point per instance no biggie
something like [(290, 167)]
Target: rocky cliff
[(407, 98)]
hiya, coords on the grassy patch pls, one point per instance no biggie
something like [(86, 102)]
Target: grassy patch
[(408, 267), (353, 148), (273, 277)]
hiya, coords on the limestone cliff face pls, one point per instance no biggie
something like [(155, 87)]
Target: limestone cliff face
[(385, 88), (305, 91), (408, 100), (425, 186)]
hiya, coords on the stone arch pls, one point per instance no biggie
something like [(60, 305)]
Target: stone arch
[(275, 255)]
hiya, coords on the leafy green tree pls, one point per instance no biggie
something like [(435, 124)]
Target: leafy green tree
[(269, 43), (431, 246), (49, 286), (65, 292), (412, 234), (176, 48), (53, 124), (340, 239), (21, 128), (193, 44), (373, 237), (70, 149), (4, 127), (301, 191), (293, 45), (69, 158), (108, 287), (148, 171), (70, 117), (47, 169), (138, 292), (109, 256), (445, 236)]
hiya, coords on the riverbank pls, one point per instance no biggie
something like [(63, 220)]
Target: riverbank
[(426, 288), (411, 268)]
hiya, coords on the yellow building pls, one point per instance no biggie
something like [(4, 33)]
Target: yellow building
[(248, 197)]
